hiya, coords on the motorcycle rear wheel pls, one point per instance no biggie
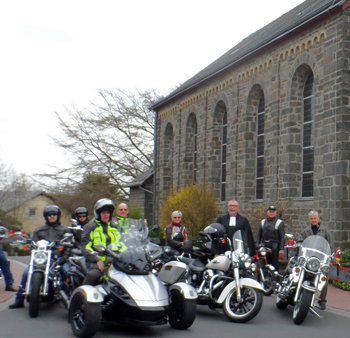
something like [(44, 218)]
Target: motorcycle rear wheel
[(34, 304), (268, 284), (245, 311), (84, 317), (302, 306), (182, 311)]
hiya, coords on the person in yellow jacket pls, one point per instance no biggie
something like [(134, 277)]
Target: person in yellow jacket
[(99, 231)]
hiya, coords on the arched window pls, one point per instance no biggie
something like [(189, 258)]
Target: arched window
[(308, 138), (259, 193), (195, 154), (223, 156)]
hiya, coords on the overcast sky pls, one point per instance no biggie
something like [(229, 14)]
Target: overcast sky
[(54, 53)]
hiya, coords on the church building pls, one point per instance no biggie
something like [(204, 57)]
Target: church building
[(268, 121)]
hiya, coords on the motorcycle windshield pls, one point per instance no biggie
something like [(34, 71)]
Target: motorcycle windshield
[(238, 242), (131, 253), (315, 246)]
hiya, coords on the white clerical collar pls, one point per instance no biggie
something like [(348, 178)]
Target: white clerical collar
[(232, 220)]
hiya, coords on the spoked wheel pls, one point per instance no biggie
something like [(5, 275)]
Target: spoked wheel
[(302, 306), (34, 304), (268, 284), (84, 317), (182, 312), (241, 312)]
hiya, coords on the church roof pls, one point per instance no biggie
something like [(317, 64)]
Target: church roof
[(277, 29)]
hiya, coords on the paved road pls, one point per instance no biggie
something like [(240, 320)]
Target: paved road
[(270, 322)]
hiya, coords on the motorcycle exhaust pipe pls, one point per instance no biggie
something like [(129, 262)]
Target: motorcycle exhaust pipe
[(65, 299)]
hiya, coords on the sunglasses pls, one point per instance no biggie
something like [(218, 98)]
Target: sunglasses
[(52, 214), (123, 209), (81, 216)]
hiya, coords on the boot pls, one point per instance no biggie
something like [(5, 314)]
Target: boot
[(9, 287), (17, 305), (322, 305)]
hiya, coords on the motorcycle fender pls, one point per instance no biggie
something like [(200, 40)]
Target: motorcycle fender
[(186, 290), (90, 292), (307, 285), (244, 282)]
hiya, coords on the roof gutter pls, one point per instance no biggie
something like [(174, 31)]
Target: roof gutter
[(322, 11)]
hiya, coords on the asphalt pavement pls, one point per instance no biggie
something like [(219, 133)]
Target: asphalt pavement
[(337, 300)]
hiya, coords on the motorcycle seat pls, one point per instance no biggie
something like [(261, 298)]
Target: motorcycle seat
[(196, 266)]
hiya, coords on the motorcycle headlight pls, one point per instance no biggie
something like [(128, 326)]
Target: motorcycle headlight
[(247, 261), (40, 258), (263, 251), (325, 269), (313, 264)]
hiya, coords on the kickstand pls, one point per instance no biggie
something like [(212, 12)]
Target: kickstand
[(314, 312)]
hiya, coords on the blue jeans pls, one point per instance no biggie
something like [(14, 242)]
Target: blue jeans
[(19, 295), (4, 264)]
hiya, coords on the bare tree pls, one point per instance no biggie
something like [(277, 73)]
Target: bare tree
[(115, 138)]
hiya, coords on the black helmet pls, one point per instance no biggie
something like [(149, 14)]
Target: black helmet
[(215, 230), (104, 204), (81, 210), (52, 209)]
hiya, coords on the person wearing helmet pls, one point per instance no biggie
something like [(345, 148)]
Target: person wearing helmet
[(233, 221), (81, 216), (175, 232), (99, 231), (52, 231)]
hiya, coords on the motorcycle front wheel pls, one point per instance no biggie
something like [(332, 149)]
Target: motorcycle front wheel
[(84, 317), (34, 304), (182, 311), (241, 312), (302, 306)]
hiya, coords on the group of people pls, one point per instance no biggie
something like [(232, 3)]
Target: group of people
[(101, 229), (104, 229), (271, 233)]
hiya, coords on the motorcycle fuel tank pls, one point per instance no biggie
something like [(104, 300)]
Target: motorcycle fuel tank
[(145, 290), (221, 263)]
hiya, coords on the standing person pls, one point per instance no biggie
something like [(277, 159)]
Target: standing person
[(52, 231), (233, 221), (125, 222), (316, 228), (271, 234), (5, 266), (99, 231), (81, 215), (176, 232)]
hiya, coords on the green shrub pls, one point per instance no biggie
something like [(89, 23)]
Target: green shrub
[(196, 202), (346, 257), (340, 284)]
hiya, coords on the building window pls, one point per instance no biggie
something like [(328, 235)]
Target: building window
[(32, 211), (223, 157), (259, 193), (195, 153), (308, 138)]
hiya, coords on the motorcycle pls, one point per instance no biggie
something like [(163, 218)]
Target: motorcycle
[(130, 294), (267, 275), (46, 276), (227, 282), (306, 274)]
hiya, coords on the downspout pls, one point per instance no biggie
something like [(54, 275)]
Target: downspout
[(155, 209)]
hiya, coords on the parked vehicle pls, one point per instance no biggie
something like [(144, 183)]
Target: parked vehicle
[(130, 294), (267, 275), (305, 274), (226, 282), (46, 273)]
